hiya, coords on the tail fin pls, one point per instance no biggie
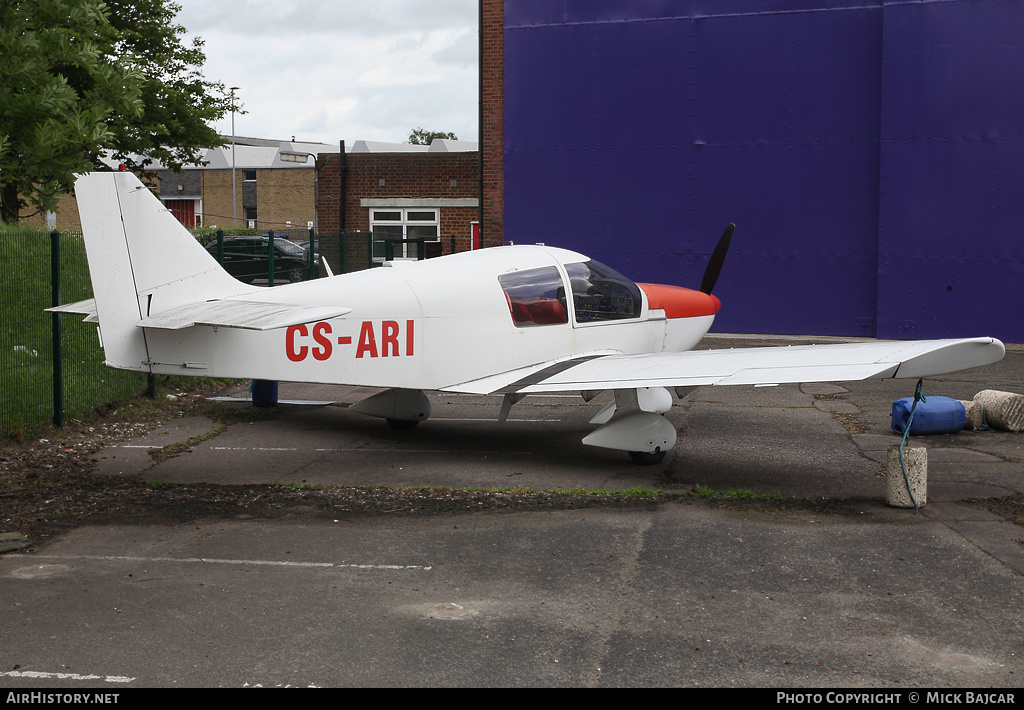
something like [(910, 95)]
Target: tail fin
[(142, 261)]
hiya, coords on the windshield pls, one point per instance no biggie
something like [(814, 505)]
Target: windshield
[(600, 293), (289, 248)]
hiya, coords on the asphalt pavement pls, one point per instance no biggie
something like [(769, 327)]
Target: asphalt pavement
[(685, 593)]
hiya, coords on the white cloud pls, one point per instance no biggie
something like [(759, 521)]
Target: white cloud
[(327, 70)]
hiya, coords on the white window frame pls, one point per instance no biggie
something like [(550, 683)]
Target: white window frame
[(405, 222)]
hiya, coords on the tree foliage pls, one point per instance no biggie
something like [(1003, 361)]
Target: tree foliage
[(82, 79), (422, 137), (178, 104)]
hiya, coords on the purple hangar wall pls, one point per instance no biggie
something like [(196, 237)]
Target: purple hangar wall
[(951, 212), (869, 153)]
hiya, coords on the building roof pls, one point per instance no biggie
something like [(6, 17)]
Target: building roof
[(439, 145), (262, 153)]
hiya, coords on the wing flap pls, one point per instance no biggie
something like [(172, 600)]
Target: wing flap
[(249, 315), (772, 365)]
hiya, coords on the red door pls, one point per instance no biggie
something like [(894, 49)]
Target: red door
[(183, 210)]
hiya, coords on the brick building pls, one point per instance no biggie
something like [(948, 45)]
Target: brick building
[(275, 186), (492, 120), (395, 192)]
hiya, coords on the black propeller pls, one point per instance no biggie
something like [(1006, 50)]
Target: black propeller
[(717, 259)]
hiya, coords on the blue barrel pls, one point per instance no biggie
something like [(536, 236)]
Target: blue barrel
[(264, 393), (936, 415)]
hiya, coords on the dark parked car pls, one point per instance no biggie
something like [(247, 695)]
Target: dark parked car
[(248, 258)]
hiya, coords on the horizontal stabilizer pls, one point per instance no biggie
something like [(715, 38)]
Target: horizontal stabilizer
[(85, 308), (249, 315), (771, 365)]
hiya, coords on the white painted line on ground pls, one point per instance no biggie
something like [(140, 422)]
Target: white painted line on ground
[(375, 450), (430, 451), (252, 448), (66, 676), (443, 395), (487, 419), (217, 561)]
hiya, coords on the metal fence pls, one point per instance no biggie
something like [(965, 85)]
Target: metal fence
[(51, 366), (270, 258)]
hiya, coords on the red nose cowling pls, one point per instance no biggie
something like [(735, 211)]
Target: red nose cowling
[(679, 302)]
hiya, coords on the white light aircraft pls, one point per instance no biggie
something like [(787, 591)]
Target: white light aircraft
[(513, 320)]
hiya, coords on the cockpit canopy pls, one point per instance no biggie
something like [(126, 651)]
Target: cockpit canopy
[(599, 293)]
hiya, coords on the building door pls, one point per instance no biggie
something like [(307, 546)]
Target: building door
[(184, 211)]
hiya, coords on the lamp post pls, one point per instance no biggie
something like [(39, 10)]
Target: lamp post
[(234, 195)]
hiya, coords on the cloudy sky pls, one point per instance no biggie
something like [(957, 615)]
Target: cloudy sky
[(327, 70)]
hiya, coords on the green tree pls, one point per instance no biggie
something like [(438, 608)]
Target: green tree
[(50, 129), (422, 137), (80, 79), (178, 104)]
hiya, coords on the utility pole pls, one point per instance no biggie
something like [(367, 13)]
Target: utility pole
[(234, 195)]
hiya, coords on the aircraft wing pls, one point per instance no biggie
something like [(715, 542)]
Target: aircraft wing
[(754, 366)]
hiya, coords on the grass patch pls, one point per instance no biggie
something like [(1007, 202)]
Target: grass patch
[(851, 423), (181, 447), (27, 351), (634, 492), (512, 490), (702, 491), (747, 494)]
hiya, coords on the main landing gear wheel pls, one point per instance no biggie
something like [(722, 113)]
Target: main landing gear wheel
[(647, 458), (403, 424)]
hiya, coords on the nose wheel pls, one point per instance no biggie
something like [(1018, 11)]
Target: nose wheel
[(647, 458), (402, 424)]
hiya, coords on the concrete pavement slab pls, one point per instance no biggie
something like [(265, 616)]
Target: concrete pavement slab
[(683, 594)]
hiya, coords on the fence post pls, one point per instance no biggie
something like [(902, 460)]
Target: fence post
[(270, 257), (56, 352), (220, 247)]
